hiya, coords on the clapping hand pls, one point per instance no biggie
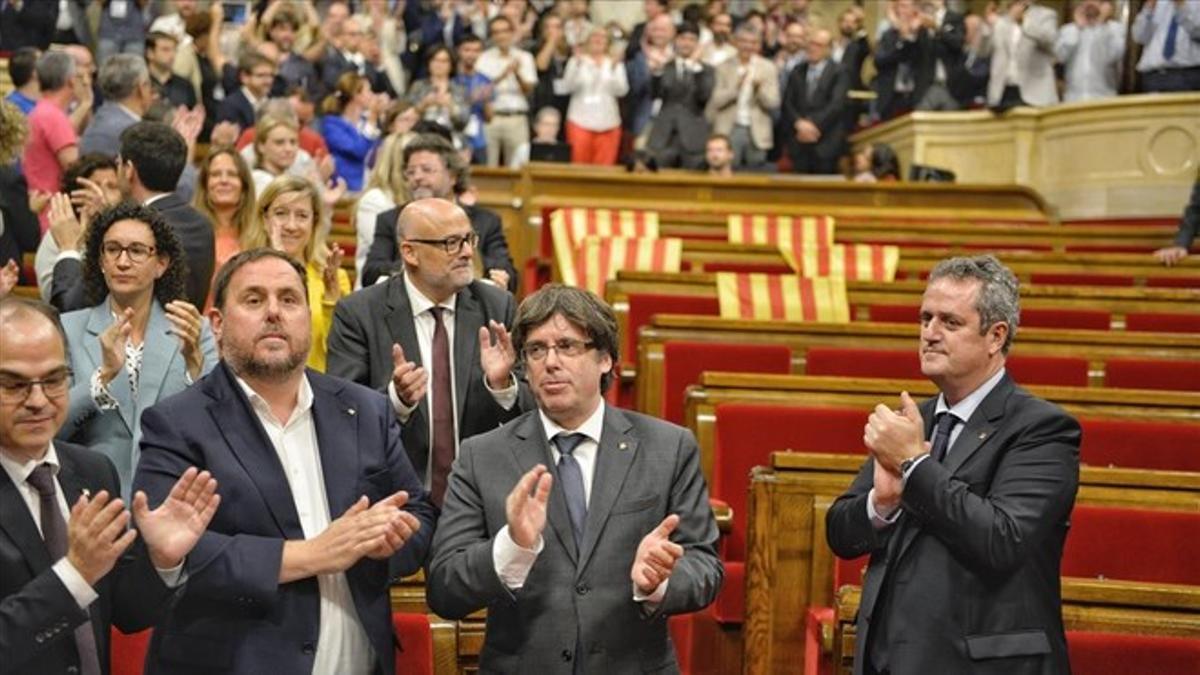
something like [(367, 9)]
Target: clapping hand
[(496, 357), (656, 556), (525, 508), (172, 530), (409, 379), (112, 345), (187, 326), (64, 226), (333, 263), (9, 275)]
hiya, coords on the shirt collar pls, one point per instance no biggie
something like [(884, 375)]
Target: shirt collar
[(420, 303), (153, 198), (18, 471), (304, 399), (254, 101), (966, 407), (591, 427), (132, 115)]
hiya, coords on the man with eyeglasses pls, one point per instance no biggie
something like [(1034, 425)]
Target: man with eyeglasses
[(432, 168), (69, 567), (631, 537), (435, 339)]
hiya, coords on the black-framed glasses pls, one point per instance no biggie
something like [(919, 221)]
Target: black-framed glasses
[(536, 351), (138, 253), (17, 389), (453, 244)]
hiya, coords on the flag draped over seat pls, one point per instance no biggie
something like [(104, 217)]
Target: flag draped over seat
[(599, 258), (807, 245), (570, 226), (782, 297)]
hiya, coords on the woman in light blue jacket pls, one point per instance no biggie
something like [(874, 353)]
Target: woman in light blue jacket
[(139, 341)]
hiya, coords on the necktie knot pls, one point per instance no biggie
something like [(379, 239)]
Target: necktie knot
[(42, 480), (567, 442), (436, 311)]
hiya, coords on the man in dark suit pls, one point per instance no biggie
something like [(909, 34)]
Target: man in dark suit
[(965, 501), (256, 74), (813, 107), (632, 539), (432, 168), (852, 53), (152, 160), (344, 55), (67, 576), (321, 506), (917, 57), (384, 336), (679, 130), (1189, 226)]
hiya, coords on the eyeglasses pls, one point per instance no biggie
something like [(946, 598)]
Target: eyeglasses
[(453, 244), (16, 390), (536, 351), (138, 253)]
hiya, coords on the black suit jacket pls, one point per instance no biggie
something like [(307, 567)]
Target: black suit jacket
[(944, 45), (969, 574), (236, 108), (384, 256), (368, 322), (21, 231), (824, 107), (680, 121), (37, 613), (234, 616), (195, 235)]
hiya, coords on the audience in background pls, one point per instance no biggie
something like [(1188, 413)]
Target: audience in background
[(255, 73), (161, 49), (386, 189), (1169, 33), (682, 88), (744, 99), (477, 88), (875, 163), (128, 94), (438, 98), (1023, 57), (1090, 49), (348, 123), (22, 70), (53, 144), (225, 195), (595, 81), (514, 75), (88, 186), (19, 230), (551, 62), (122, 28), (813, 106), (276, 146), (718, 156)]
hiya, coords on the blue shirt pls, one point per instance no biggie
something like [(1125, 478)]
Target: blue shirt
[(474, 130), (349, 148), (21, 101)]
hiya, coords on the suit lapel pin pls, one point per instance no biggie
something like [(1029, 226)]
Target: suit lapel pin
[(622, 445), (351, 411), (982, 435)]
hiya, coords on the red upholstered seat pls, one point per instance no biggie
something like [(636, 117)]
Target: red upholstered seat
[(1173, 282), (1080, 279), (414, 654), (643, 306), (1140, 444), (905, 364), (1133, 545), (1161, 322), (895, 313), (128, 652), (748, 268), (1087, 319), (1113, 653), (1063, 371), (683, 362), (1152, 374)]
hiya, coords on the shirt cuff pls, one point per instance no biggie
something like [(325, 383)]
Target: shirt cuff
[(506, 397), (101, 396), (880, 520), (654, 599), (173, 577), (79, 588), (913, 467), (403, 411), (513, 562), (69, 254)]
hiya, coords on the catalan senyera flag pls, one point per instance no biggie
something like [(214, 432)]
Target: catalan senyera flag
[(599, 258), (853, 262), (792, 234), (782, 297), (569, 226)]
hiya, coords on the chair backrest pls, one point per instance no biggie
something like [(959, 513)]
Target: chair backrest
[(599, 257), (1084, 319), (1161, 322), (1140, 444), (414, 643), (643, 307), (1079, 279), (127, 653), (905, 364), (782, 297), (683, 362), (1131, 544), (1162, 374), (1095, 653), (569, 226)]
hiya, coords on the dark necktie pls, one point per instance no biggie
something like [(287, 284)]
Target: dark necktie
[(54, 532), (813, 75), (442, 441), (1172, 34), (571, 477), (941, 436)]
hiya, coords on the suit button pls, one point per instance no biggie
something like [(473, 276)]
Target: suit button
[(72, 670), (309, 648), (566, 655), (582, 590)]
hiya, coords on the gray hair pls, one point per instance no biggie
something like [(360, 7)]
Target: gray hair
[(584, 309), (55, 70), (999, 298), (120, 76)]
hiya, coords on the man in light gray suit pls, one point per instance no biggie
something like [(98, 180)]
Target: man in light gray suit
[(128, 94), (1023, 57), (744, 98), (632, 538)]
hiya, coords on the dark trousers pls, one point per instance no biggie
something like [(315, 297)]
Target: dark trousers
[(806, 160), (1172, 79), (1011, 98)]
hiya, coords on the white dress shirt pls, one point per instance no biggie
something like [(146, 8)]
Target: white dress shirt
[(594, 89), (512, 562), (963, 411), (424, 323), (18, 472), (506, 92), (1091, 57), (342, 644), (1150, 29)]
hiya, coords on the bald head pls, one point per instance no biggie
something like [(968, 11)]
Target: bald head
[(437, 244), (818, 46)]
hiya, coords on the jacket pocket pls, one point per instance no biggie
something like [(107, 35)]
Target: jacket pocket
[(1005, 645), (634, 505)]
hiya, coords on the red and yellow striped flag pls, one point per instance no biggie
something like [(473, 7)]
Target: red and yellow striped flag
[(599, 258), (792, 234), (568, 227), (854, 262), (782, 297)]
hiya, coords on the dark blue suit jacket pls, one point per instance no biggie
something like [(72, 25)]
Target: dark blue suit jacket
[(235, 616)]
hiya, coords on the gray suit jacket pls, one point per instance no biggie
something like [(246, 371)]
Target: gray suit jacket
[(680, 121), (645, 470), (103, 136), (1034, 55), (116, 433)]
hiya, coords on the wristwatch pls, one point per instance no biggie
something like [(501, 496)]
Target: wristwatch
[(907, 464)]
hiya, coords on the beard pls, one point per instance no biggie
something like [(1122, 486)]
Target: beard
[(273, 368)]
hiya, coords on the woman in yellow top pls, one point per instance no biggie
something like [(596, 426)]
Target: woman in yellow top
[(288, 212)]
